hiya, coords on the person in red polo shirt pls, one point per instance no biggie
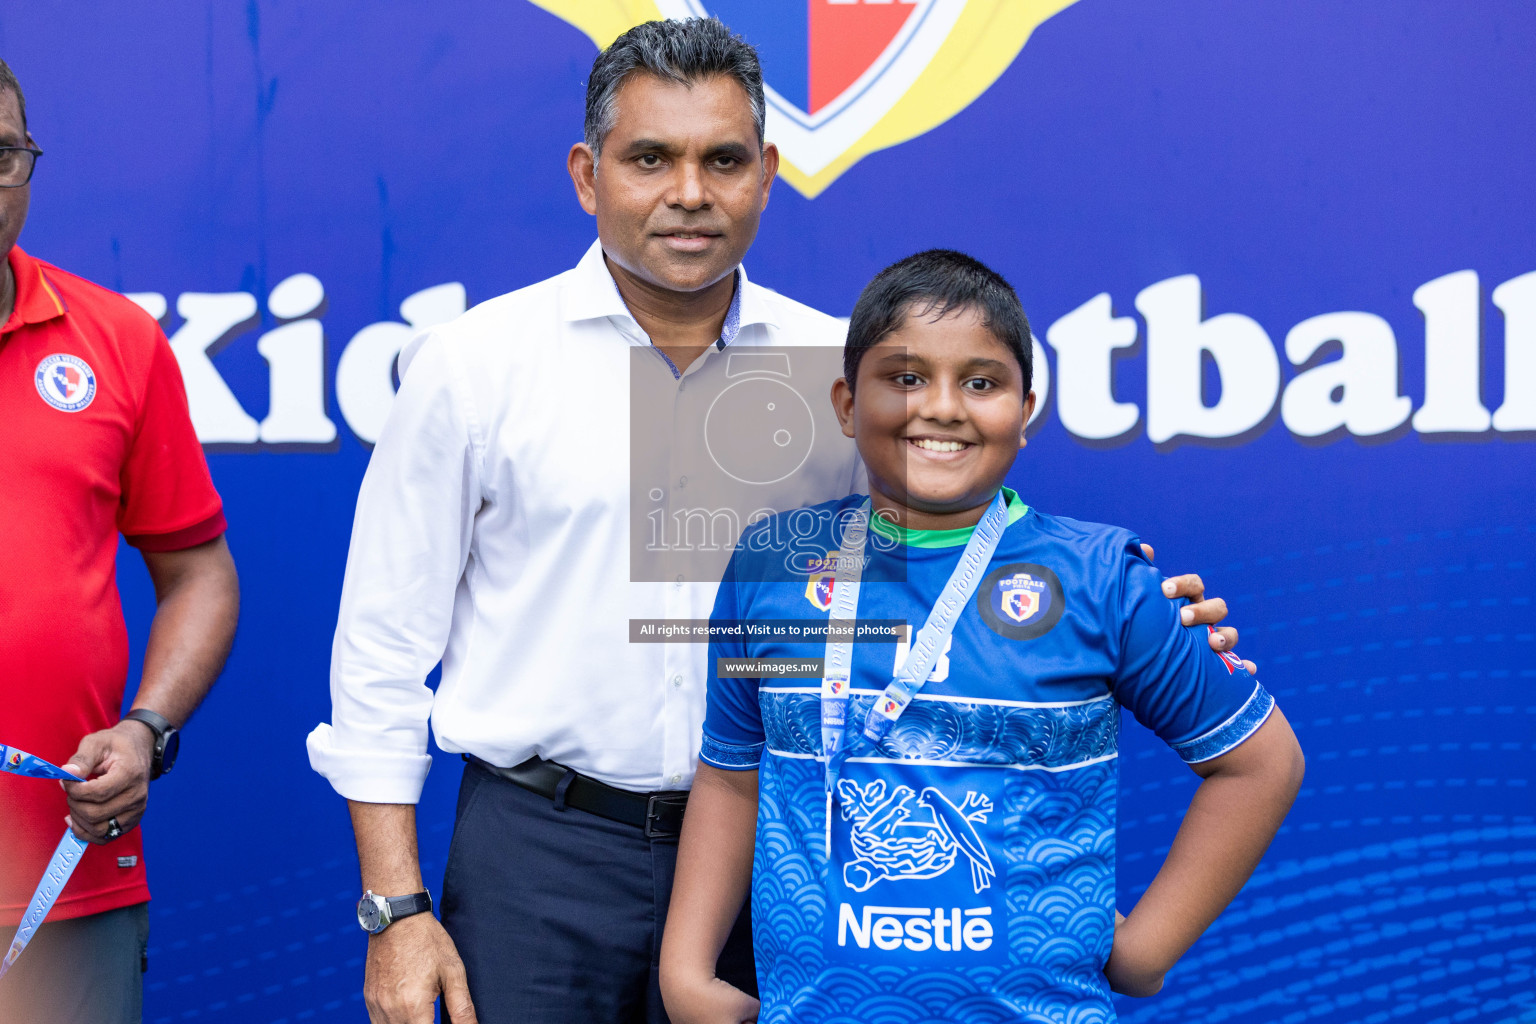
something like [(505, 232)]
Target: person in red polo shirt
[(95, 441)]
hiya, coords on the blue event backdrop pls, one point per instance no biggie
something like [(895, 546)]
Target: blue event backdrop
[(1299, 158)]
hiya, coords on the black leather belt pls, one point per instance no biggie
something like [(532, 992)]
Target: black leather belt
[(658, 815)]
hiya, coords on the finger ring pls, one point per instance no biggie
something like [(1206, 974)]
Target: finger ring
[(113, 828)]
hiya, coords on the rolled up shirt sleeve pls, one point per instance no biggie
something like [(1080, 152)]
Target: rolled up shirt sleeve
[(410, 543)]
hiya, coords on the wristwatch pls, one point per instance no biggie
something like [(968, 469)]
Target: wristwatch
[(167, 740), (375, 913)]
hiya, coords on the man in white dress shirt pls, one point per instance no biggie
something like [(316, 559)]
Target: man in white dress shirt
[(494, 533)]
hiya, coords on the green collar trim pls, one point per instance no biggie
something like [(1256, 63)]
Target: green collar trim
[(957, 537)]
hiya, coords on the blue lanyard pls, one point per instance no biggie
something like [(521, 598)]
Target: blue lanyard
[(837, 674), (19, 762), (930, 640), (847, 574), (66, 856)]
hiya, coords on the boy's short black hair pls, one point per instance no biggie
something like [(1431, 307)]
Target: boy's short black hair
[(934, 283)]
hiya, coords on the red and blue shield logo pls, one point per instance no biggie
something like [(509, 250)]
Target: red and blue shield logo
[(1021, 596), (820, 579), (819, 49), (65, 382), (845, 78)]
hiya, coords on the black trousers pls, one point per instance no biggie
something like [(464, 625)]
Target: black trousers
[(86, 970), (558, 913)]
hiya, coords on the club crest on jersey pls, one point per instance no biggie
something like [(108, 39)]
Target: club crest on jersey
[(818, 587), (845, 78), (65, 382), (1020, 597), (1021, 600), (13, 759)]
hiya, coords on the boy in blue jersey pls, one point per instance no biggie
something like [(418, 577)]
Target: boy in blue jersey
[(941, 846)]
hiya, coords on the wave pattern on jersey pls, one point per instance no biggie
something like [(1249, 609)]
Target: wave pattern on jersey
[(1060, 879), (944, 730)]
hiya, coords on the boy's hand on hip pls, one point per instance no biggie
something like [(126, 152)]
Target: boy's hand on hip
[(710, 1001), (1132, 970), (409, 964)]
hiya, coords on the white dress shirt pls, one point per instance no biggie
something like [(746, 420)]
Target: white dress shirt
[(493, 532)]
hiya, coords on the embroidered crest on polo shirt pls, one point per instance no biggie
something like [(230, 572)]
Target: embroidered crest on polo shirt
[(65, 382), (1020, 601)]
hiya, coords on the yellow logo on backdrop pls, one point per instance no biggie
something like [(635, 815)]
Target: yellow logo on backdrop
[(846, 78)]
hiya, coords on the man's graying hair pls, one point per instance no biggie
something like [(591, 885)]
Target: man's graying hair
[(681, 51), (8, 81)]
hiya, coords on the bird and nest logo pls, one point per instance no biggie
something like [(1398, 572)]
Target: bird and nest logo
[(893, 839), (845, 78), (914, 871)]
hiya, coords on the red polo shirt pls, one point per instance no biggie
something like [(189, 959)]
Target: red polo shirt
[(95, 440)]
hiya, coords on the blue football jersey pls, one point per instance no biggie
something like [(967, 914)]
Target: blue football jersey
[(965, 869)]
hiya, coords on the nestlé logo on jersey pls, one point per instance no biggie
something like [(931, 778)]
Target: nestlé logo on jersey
[(914, 878), (65, 382)]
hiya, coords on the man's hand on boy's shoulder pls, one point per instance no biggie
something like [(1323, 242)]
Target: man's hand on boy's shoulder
[(1201, 612)]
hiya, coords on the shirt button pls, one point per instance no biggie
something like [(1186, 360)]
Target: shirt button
[(676, 779), (679, 579), (677, 680), (682, 481)]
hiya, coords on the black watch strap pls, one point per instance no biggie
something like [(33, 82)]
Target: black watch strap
[(405, 906), (164, 732), (158, 723)]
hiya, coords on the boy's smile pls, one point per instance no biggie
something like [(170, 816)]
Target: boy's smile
[(939, 416)]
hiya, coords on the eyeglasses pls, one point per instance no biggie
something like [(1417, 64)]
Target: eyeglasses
[(16, 165)]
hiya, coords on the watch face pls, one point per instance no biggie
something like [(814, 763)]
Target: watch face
[(172, 748), (370, 913)]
